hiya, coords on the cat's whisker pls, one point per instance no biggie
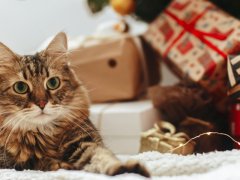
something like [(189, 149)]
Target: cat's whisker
[(9, 121), (92, 89), (77, 115), (88, 82), (10, 133), (71, 119), (5, 112), (74, 66), (15, 122), (75, 107), (77, 118), (14, 118)]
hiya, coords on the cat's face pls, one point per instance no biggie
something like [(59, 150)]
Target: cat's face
[(38, 91)]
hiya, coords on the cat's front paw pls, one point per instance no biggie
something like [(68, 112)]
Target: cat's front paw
[(131, 166), (55, 165)]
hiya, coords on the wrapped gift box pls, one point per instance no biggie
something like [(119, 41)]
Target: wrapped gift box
[(113, 68), (121, 124), (164, 138), (194, 39)]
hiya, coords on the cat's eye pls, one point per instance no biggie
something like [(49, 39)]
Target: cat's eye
[(53, 83), (20, 87)]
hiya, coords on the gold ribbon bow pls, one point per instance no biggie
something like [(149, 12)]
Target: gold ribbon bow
[(163, 138)]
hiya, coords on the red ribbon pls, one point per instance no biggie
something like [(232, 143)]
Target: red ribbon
[(190, 27)]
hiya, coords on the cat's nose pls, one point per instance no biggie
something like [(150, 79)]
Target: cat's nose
[(42, 104)]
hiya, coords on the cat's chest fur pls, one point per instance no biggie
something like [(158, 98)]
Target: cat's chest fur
[(23, 146)]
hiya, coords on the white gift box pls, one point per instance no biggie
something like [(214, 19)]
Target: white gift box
[(121, 124)]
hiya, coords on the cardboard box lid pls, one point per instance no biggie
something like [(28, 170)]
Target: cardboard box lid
[(125, 118), (102, 50)]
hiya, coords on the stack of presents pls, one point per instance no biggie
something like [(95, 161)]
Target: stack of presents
[(131, 109)]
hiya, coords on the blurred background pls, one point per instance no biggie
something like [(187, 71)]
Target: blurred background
[(26, 24)]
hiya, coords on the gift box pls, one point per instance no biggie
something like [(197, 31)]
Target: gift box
[(234, 77), (164, 138), (234, 94), (114, 68), (194, 39), (121, 124)]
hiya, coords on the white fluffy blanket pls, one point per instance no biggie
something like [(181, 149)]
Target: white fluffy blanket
[(214, 165)]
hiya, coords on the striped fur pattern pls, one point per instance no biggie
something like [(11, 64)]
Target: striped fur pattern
[(47, 129)]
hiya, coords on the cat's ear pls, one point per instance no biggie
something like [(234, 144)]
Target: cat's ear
[(6, 55), (58, 45)]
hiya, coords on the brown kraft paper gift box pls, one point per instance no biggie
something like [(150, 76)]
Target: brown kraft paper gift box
[(194, 39), (113, 69)]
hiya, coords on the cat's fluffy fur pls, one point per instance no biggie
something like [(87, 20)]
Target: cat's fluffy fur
[(45, 129)]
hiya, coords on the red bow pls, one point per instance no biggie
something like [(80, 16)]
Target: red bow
[(190, 27)]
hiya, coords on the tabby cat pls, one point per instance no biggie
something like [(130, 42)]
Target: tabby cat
[(44, 111)]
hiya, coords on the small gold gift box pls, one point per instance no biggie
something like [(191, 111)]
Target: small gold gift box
[(163, 138)]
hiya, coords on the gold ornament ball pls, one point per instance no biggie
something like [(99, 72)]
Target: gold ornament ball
[(123, 7)]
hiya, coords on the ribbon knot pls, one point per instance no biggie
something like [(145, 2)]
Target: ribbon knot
[(201, 35), (163, 137)]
